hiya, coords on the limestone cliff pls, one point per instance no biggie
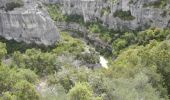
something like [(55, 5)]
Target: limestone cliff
[(28, 21), (120, 14)]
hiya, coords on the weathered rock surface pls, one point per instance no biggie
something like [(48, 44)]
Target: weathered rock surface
[(29, 23), (104, 10)]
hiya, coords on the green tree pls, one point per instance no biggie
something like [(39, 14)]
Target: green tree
[(118, 45), (81, 91), (8, 96), (3, 50), (34, 59), (25, 91), (14, 81)]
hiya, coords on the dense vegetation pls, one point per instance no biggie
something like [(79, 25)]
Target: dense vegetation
[(68, 71), (142, 68)]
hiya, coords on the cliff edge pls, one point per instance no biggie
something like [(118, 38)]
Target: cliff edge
[(28, 21)]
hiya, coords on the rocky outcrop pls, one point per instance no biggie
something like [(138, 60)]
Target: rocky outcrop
[(28, 22), (121, 14)]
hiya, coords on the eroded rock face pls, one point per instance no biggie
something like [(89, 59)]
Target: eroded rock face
[(29, 23), (142, 16)]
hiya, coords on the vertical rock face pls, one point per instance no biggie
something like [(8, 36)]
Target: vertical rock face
[(121, 14), (27, 22)]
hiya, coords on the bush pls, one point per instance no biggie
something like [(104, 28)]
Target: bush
[(118, 45), (69, 45), (154, 57), (25, 91), (157, 4), (124, 15), (55, 12), (8, 96), (34, 59), (81, 91), (89, 58), (17, 84), (3, 50), (13, 4)]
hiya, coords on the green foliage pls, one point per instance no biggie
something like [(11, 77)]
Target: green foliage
[(143, 70), (17, 84), (25, 91), (69, 45), (55, 12), (118, 45), (27, 74), (141, 67), (13, 46), (95, 28), (154, 56), (90, 58), (67, 77), (139, 38), (152, 34), (124, 15), (157, 4), (3, 50), (105, 34), (34, 59), (81, 91), (74, 18), (159, 56), (8, 96), (105, 11)]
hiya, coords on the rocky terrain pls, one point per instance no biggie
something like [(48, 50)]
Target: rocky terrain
[(119, 14), (26, 21)]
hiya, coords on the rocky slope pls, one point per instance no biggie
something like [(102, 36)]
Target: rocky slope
[(119, 14), (28, 21)]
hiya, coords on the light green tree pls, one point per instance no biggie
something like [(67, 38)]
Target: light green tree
[(81, 91), (3, 50), (25, 91)]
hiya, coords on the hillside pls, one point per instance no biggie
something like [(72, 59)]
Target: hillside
[(84, 49)]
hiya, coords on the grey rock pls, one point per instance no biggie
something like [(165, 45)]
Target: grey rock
[(29, 23), (91, 9)]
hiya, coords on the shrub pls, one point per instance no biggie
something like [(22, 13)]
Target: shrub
[(157, 4), (3, 50), (124, 15), (25, 91), (34, 59), (69, 45), (81, 91), (17, 84), (55, 12), (90, 58)]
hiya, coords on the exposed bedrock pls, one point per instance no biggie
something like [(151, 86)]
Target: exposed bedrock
[(27, 21), (122, 14)]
